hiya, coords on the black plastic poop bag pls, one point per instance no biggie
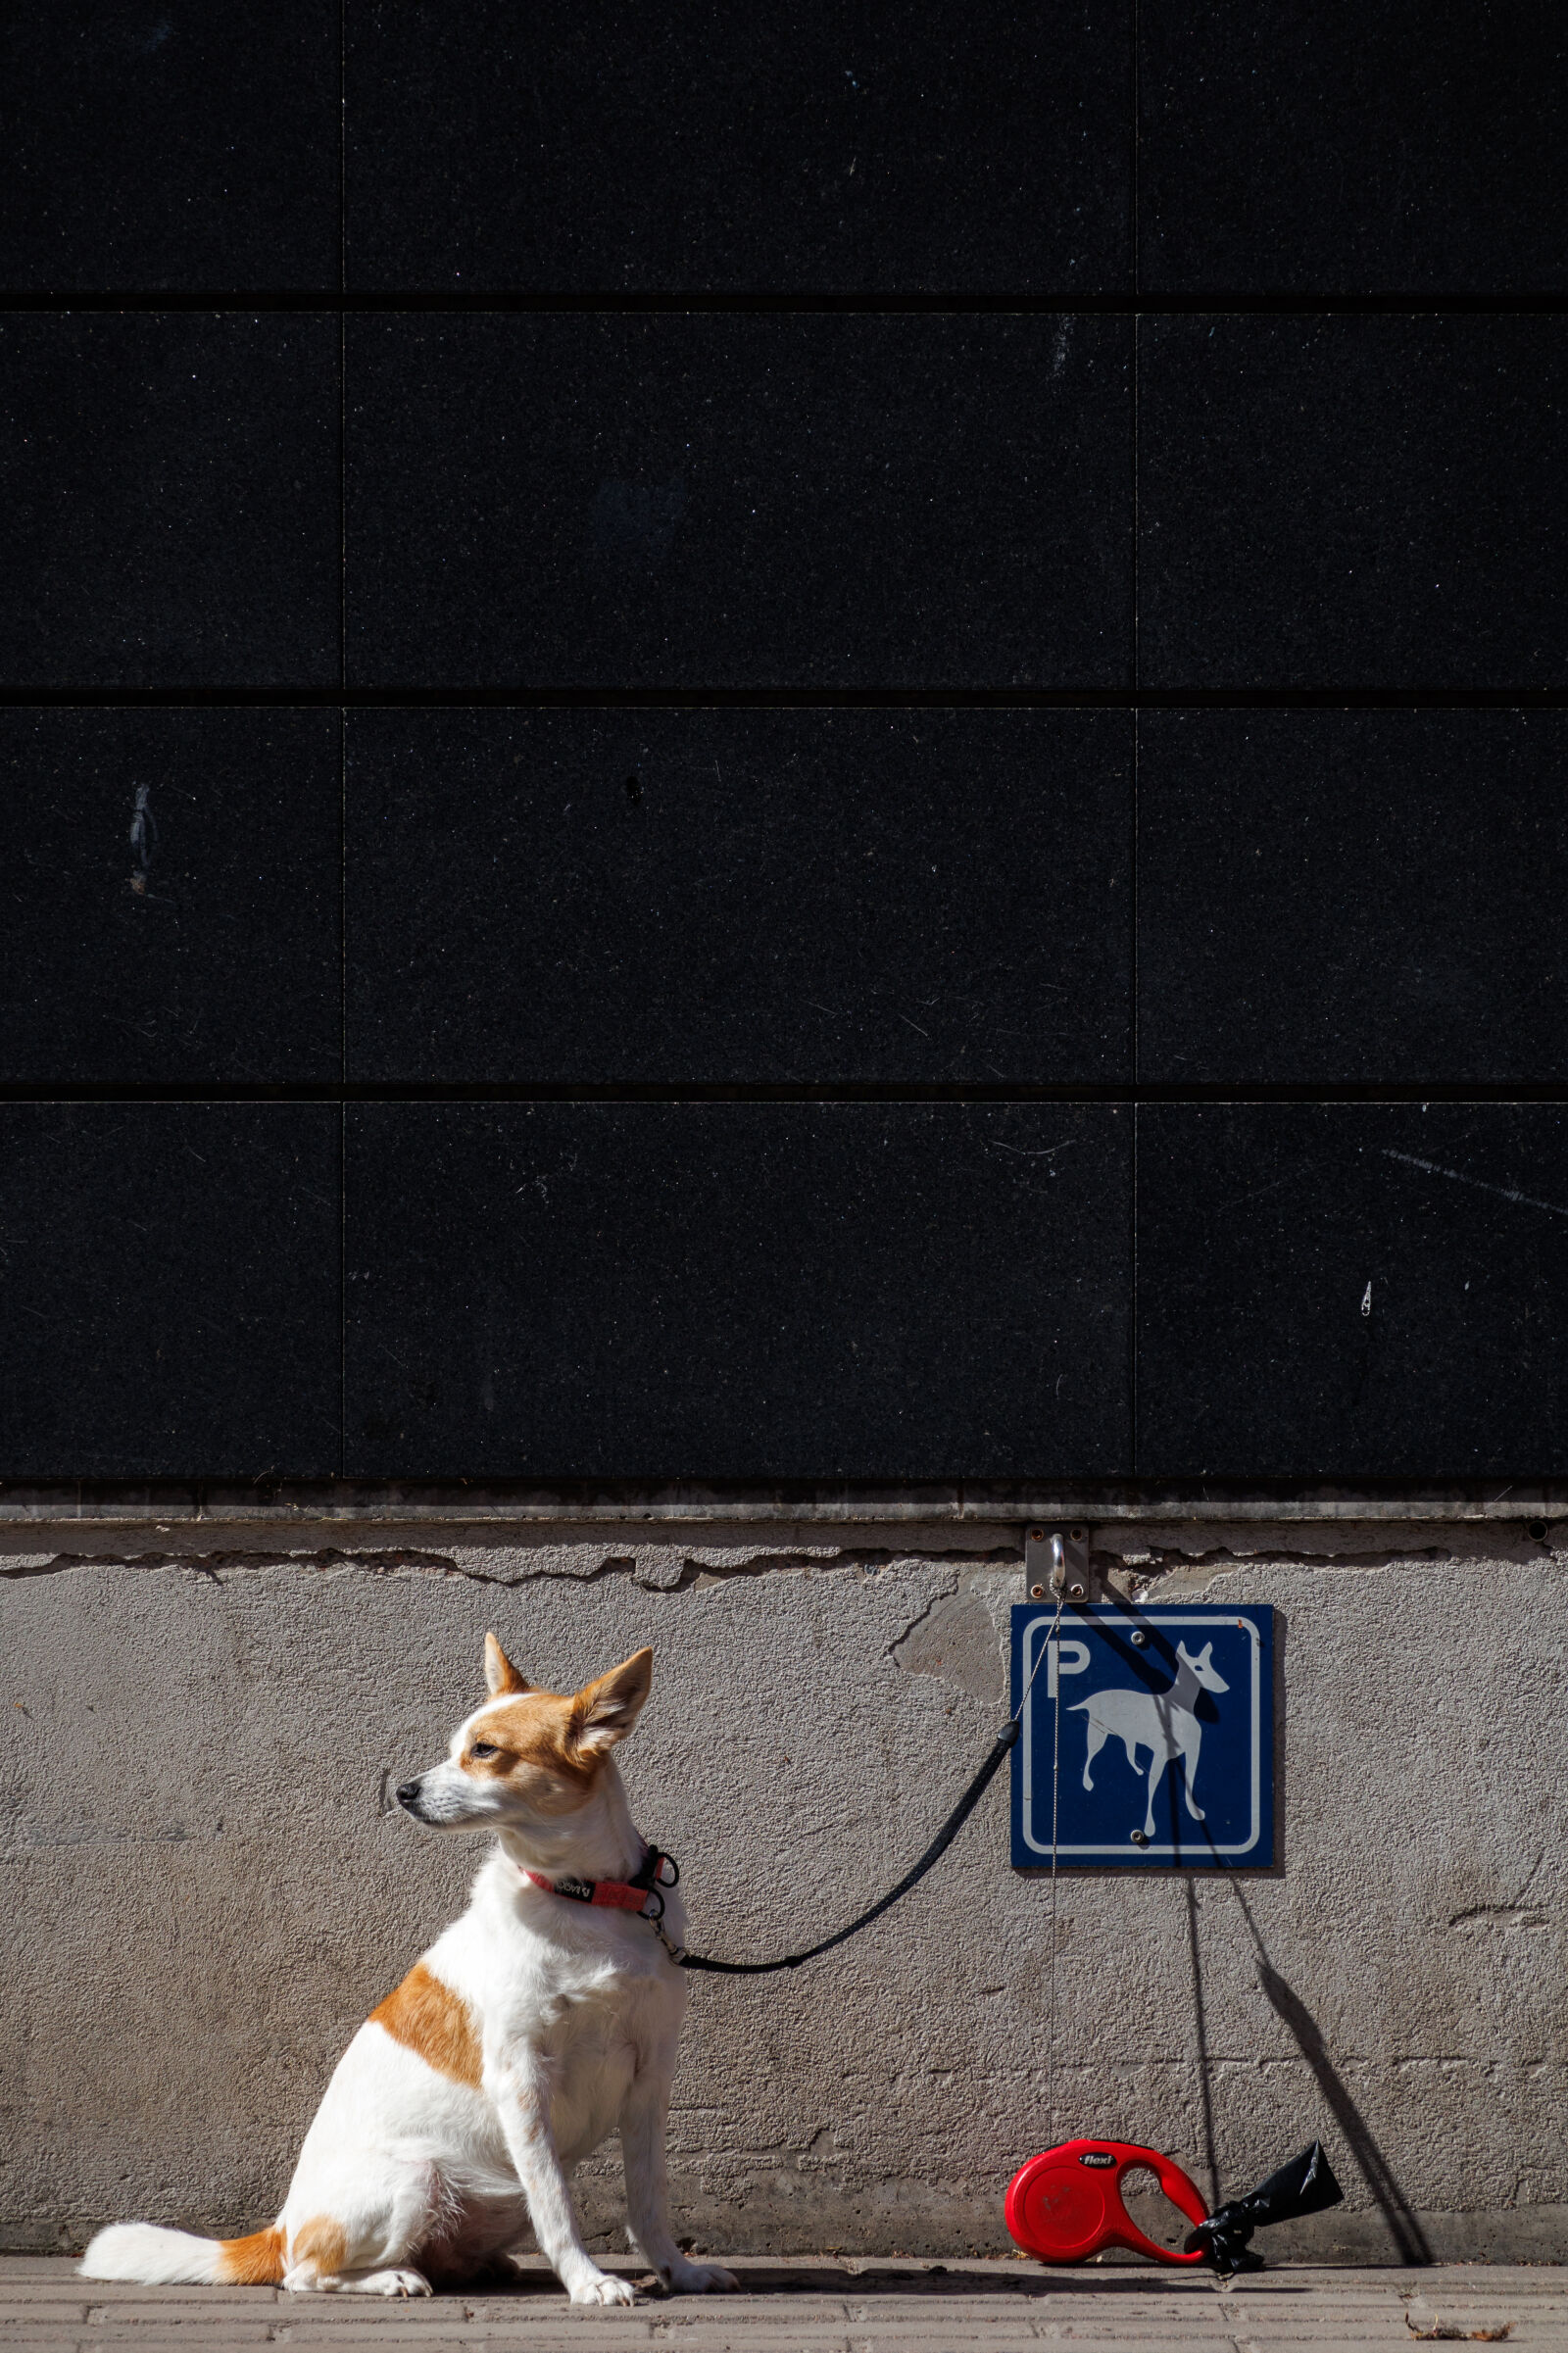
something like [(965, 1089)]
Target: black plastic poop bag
[(1305, 2186)]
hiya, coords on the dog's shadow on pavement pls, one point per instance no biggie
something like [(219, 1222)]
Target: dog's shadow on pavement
[(1026, 2280), (882, 2279)]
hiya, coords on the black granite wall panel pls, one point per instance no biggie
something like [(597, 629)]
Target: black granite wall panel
[(1340, 149), (740, 897), (601, 1290), (173, 1290), (157, 145), (1353, 898), (766, 500), (1340, 1290), (696, 148), (1353, 501), (170, 488), (173, 897), (874, 706)]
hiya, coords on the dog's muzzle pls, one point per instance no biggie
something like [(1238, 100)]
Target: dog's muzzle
[(443, 1798)]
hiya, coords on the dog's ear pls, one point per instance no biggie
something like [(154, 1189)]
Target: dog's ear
[(605, 1711), (500, 1677)]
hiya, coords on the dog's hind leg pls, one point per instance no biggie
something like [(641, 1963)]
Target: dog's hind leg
[(381, 2272), (1098, 1737), (643, 2120), (320, 2269), (364, 2247), (396, 2283), (316, 2256)]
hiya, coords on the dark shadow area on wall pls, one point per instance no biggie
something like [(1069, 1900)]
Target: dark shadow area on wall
[(1404, 2228)]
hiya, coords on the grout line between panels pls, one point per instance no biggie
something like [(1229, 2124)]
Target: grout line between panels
[(343, 1109), (914, 302), (1135, 62), (781, 697), (1132, 1328), (1551, 1093)]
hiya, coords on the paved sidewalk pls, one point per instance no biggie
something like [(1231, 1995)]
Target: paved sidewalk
[(816, 2305)]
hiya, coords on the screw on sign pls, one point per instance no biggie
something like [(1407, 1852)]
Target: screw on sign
[(1066, 2204)]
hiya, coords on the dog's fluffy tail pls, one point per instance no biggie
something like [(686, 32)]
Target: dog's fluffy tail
[(158, 2258)]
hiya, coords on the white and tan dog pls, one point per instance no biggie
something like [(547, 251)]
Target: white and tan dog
[(531, 2029)]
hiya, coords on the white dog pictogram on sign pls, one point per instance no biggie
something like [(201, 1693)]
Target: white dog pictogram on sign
[(1162, 1722)]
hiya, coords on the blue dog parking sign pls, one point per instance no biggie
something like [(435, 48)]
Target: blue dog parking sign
[(1156, 1726)]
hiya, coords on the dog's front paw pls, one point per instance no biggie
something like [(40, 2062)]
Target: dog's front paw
[(399, 2283), (602, 2287), (701, 2280)]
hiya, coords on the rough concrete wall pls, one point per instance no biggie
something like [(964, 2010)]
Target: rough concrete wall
[(204, 1891)]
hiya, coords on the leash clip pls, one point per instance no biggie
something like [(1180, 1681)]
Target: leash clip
[(655, 1921)]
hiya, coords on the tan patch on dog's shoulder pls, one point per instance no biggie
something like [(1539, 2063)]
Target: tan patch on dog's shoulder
[(426, 2016), (254, 2262), (321, 2242)]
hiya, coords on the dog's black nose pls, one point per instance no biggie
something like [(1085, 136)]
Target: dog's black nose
[(408, 1793)]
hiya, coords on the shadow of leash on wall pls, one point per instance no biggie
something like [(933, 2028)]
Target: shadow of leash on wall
[(1404, 2228)]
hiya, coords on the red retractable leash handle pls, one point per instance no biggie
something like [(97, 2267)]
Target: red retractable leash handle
[(1065, 2204)]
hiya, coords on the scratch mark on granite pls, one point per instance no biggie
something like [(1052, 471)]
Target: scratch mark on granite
[(1456, 1176), (143, 840)]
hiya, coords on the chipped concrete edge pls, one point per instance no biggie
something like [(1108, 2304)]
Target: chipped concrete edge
[(1132, 1557)]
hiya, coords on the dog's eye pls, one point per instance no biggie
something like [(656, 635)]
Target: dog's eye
[(484, 1749)]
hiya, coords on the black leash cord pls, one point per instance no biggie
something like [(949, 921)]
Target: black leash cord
[(933, 1855)]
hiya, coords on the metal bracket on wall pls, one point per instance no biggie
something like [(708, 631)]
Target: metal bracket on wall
[(1056, 1565)]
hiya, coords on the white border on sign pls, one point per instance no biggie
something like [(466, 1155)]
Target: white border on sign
[(1164, 1618)]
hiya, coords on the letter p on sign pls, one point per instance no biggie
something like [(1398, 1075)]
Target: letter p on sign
[(1066, 1659)]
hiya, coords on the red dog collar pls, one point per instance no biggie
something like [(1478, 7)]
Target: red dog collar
[(617, 1891), (624, 1896)]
